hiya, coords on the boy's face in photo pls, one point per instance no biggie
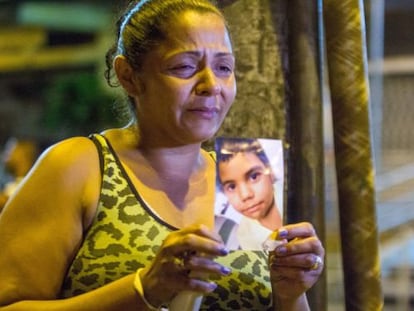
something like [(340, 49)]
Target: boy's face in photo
[(248, 184)]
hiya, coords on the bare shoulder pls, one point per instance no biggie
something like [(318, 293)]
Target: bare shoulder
[(50, 210), (67, 174), (122, 138), (64, 181), (72, 165), (71, 151)]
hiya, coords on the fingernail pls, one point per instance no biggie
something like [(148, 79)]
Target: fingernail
[(212, 286), (223, 251), (225, 270), (283, 233), (281, 250)]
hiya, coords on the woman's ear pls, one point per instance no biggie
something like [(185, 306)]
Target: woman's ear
[(127, 77)]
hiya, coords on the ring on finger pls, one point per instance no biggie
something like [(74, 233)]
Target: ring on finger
[(180, 261), (318, 262)]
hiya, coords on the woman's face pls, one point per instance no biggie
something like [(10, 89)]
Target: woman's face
[(188, 82), (248, 185)]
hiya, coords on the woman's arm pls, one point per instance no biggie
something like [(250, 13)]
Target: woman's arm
[(118, 295), (41, 229), (42, 226)]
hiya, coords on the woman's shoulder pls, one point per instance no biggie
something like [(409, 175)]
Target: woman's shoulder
[(70, 151), (72, 161), (71, 169), (122, 138)]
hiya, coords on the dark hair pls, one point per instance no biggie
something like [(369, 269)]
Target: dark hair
[(227, 148), (143, 25)]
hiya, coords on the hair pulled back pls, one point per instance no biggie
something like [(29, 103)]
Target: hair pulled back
[(143, 25)]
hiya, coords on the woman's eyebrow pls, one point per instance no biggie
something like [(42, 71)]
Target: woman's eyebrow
[(200, 53)]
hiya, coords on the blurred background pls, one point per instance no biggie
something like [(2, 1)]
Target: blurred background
[(52, 87), (51, 68)]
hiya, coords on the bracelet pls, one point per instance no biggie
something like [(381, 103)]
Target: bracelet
[(140, 290)]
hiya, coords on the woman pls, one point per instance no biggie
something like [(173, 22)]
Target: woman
[(124, 220)]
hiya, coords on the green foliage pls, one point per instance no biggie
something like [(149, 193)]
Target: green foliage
[(77, 104)]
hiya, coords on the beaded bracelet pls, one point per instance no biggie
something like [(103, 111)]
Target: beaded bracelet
[(140, 290)]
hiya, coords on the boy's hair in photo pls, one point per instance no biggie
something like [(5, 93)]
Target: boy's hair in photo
[(227, 148)]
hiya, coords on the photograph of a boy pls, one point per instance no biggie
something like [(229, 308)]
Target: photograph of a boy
[(246, 178)]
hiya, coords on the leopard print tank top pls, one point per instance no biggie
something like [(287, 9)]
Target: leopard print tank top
[(126, 234)]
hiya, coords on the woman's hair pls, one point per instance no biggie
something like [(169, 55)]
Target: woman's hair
[(144, 25)]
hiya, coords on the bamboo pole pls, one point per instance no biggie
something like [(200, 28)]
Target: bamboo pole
[(347, 67)]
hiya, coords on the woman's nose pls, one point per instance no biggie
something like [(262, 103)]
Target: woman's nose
[(208, 84)]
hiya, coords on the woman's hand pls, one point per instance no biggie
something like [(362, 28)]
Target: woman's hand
[(184, 262), (296, 265)]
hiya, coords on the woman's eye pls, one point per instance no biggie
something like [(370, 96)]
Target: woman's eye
[(224, 70), (183, 67), (183, 70)]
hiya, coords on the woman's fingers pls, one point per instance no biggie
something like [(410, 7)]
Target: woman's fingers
[(296, 265), (184, 261), (200, 265), (301, 239), (307, 261), (299, 230), (195, 239), (300, 246)]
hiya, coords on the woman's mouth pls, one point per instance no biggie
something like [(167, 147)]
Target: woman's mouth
[(204, 112)]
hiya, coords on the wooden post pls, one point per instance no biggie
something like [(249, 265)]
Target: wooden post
[(347, 66), (304, 127)]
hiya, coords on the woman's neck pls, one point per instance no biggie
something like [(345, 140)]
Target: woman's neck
[(173, 170), (176, 171), (172, 163)]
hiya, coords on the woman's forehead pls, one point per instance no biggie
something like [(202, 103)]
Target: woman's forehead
[(194, 30)]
